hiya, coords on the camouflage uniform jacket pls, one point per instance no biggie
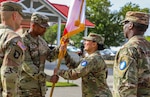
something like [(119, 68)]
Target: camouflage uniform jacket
[(93, 71), (33, 67), (11, 58), (9, 40), (132, 69)]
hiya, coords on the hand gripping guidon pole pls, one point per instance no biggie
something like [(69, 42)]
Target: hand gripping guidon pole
[(79, 28)]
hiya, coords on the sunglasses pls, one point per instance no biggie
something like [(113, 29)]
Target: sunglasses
[(125, 22)]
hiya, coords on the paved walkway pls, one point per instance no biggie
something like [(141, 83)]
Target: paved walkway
[(70, 91)]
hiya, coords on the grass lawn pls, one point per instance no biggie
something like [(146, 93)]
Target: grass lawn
[(61, 84)]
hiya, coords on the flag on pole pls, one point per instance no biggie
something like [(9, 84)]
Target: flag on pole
[(76, 18), (75, 24)]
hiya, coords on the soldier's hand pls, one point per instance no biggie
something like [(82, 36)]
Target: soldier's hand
[(63, 47), (56, 71), (65, 39), (64, 43), (54, 78)]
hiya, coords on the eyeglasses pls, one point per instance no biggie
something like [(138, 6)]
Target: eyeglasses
[(125, 22)]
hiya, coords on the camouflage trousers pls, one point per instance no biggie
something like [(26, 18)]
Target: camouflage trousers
[(30, 87), (30, 93), (10, 81), (100, 93)]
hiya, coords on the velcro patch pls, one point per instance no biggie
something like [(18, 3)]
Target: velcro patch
[(84, 63), (16, 54), (123, 65), (21, 45)]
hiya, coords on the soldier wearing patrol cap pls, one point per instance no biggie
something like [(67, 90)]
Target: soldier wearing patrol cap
[(132, 62), (11, 48), (33, 78), (92, 69)]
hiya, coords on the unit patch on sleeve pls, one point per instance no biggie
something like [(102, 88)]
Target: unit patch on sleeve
[(84, 63), (123, 65), (16, 54), (21, 45)]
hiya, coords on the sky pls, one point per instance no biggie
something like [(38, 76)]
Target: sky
[(116, 5)]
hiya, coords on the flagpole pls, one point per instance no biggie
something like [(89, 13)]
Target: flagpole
[(60, 57), (53, 85), (80, 27)]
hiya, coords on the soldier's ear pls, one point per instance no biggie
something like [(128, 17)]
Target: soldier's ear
[(33, 25), (130, 25), (14, 15), (94, 44)]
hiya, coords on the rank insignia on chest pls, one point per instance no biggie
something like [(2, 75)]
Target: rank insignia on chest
[(84, 63), (122, 65)]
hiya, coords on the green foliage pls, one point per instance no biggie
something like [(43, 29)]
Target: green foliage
[(131, 7), (51, 33), (77, 38), (147, 38), (107, 23)]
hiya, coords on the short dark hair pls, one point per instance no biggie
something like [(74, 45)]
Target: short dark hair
[(100, 46), (140, 27)]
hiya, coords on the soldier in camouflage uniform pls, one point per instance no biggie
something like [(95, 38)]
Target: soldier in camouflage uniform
[(92, 69), (11, 49), (33, 78), (132, 62)]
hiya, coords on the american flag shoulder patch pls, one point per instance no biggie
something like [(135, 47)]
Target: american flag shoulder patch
[(21, 45)]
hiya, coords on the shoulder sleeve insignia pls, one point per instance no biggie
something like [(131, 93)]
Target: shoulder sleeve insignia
[(16, 54), (123, 65), (21, 45), (84, 63)]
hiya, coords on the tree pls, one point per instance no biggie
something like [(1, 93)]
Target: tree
[(51, 33), (131, 7), (106, 22), (147, 38), (77, 38)]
